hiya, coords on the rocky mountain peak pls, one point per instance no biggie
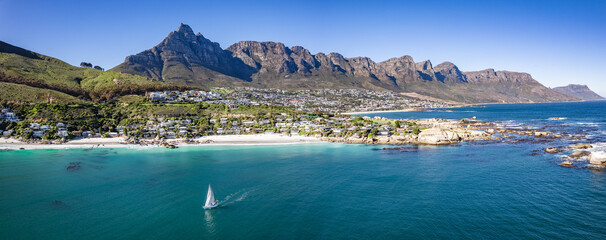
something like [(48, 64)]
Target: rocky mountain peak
[(447, 72), (424, 66), (185, 29)]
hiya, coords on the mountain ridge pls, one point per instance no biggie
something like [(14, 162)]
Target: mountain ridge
[(579, 91), (187, 58)]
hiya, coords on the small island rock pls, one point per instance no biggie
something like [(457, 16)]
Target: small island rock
[(580, 146), (566, 164)]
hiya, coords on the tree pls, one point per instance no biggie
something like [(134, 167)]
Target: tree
[(86, 65), (99, 68), (397, 124)]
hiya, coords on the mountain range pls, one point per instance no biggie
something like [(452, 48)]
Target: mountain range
[(191, 59), (186, 60)]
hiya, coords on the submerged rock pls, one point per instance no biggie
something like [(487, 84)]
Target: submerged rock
[(598, 158)]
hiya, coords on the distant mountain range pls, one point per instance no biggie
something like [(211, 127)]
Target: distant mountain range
[(187, 58), (579, 91)]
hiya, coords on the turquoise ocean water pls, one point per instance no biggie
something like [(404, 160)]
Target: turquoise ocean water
[(315, 191)]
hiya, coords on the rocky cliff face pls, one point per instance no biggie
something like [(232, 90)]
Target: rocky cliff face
[(579, 91), (188, 58)]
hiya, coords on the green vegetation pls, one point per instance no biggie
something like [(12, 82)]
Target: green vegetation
[(42, 74), (25, 94), (222, 90)]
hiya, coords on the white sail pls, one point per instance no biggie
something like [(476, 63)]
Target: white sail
[(210, 197)]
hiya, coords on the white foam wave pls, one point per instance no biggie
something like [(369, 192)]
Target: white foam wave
[(588, 124), (556, 118), (599, 146)]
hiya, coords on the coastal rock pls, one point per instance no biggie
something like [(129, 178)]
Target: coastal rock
[(566, 164), (354, 140), (438, 136), (580, 146), (551, 150), (542, 134), (579, 154), (598, 158), (383, 140)]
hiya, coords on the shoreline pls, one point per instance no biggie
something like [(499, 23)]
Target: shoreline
[(122, 142), (381, 111), (458, 106)]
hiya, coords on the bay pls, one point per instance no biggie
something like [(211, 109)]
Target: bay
[(315, 191)]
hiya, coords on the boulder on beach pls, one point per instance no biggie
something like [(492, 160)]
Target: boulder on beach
[(579, 154), (354, 140), (580, 146), (551, 150), (598, 158), (438, 136)]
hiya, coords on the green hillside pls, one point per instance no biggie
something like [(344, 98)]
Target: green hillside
[(40, 74)]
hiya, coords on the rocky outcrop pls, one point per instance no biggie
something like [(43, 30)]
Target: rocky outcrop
[(438, 136), (191, 59), (567, 164), (579, 91), (580, 146), (579, 154)]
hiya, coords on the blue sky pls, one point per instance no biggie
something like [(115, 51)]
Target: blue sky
[(558, 42)]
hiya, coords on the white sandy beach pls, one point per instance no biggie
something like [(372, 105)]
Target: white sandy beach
[(119, 142), (384, 111), (15, 144), (256, 139)]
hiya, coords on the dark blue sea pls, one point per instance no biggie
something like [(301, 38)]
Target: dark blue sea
[(495, 190)]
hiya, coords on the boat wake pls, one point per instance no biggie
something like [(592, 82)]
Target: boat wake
[(236, 197)]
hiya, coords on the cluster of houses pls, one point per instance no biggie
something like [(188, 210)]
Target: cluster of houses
[(324, 100), (39, 131), (182, 96), (181, 128), (281, 124), (330, 100), (7, 116)]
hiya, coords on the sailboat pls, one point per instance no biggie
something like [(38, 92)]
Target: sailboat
[(210, 199)]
